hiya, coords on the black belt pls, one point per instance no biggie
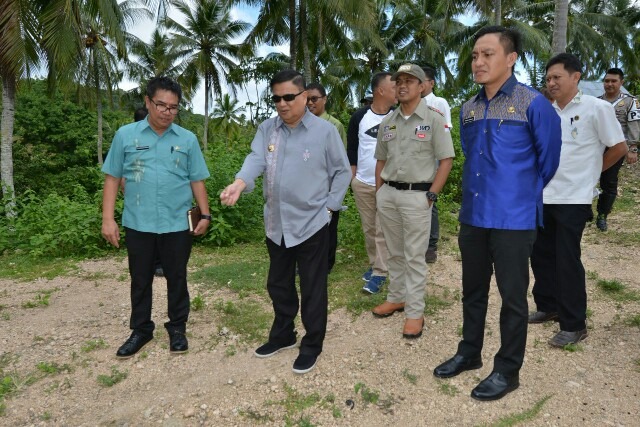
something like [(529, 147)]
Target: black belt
[(420, 186)]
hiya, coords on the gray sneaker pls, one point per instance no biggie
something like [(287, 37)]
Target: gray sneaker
[(563, 338)]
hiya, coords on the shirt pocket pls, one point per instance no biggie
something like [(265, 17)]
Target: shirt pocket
[(179, 162), (421, 143)]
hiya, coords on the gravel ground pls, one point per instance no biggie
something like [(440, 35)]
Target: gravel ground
[(220, 383)]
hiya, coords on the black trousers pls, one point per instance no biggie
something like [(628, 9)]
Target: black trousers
[(311, 258), (609, 187), (560, 284), (508, 251), (174, 250), (333, 238)]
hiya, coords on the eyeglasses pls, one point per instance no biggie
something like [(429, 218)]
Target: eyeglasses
[(314, 99), (287, 97), (162, 108)]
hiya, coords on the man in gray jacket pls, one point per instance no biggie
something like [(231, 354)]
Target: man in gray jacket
[(306, 175)]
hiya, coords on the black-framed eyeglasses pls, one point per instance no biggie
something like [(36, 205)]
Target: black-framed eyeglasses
[(162, 108), (287, 97), (314, 99)]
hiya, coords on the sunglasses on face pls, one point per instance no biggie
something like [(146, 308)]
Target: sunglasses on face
[(314, 99), (287, 97)]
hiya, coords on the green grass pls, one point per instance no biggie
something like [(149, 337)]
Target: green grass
[(52, 368), (27, 268), (572, 348), (617, 290), (448, 389), (112, 379), (92, 345), (41, 299), (294, 404), (244, 277), (255, 416), (197, 303), (524, 416), (368, 395), (247, 318), (633, 320), (412, 378)]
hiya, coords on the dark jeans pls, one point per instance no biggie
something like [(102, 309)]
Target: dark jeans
[(174, 250), (333, 238), (311, 258), (560, 284), (609, 187), (508, 251)]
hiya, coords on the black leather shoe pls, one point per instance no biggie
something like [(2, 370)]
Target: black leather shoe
[(178, 342), (543, 316), (456, 365), (563, 338), (133, 345), (495, 386)]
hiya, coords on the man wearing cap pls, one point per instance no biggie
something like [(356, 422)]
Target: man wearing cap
[(362, 139), (410, 141), (442, 106)]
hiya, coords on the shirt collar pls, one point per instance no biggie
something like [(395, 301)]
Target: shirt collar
[(507, 88), (144, 124), (304, 122), (576, 100), (420, 111)]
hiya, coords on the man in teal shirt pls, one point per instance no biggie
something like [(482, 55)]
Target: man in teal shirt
[(163, 169)]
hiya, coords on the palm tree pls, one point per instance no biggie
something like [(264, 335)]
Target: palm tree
[(19, 53), (227, 117), (204, 44)]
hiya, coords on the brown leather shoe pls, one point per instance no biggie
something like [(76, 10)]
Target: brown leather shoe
[(387, 308), (413, 328)]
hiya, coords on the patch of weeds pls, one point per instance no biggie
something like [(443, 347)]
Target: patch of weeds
[(46, 416), (521, 417), (592, 275), (572, 348), (302, 421), (329, 402), (53, 368), (448, 389), (617, 290), (113, 379), (27, 268), (435, 303), (246, 318), (41, 299), (369, 395), (412, 378), (295, 403), (633, 320), (459, 330), (123, 277), (3, 314), (92, 345), (359, 302), (589, 313), (143, 355), (230, 351), (255, 416), (197, 303), (245, 277), (637, 363), (537, 342)]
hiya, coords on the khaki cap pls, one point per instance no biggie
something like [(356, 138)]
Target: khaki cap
[(412, 70)]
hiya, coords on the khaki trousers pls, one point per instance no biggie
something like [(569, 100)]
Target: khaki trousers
[(365, 197), (405, 218)]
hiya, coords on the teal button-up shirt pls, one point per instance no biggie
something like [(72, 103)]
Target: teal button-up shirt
[(158, 171)]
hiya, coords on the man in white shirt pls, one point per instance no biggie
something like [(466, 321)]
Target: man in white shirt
[(442, 106), (361, 145), (589, 125)]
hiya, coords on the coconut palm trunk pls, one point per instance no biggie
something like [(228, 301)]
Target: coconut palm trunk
[(305, 42), (292, 34), (560, 24), (6, 152)]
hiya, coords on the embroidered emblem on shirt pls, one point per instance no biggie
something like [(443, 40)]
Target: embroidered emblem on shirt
[(392, 127), (574, 119), (472, 113), (423, 128), (388, 136), (621, 103), (574, 133), (306, 155), (421, 135), (271, 147), (511, 109), (386, 128)]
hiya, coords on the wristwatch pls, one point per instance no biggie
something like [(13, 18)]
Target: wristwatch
[(633, 149), (203, 216), (432, 196)]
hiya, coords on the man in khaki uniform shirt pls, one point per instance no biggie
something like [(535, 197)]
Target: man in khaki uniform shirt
[(410, 141)]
